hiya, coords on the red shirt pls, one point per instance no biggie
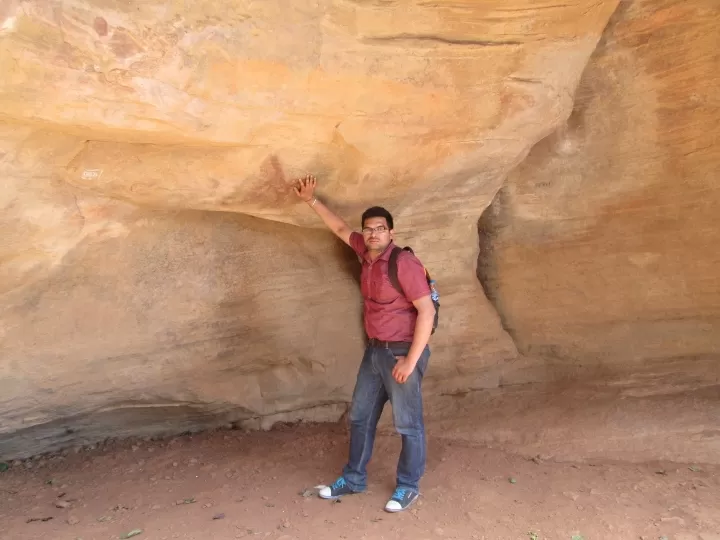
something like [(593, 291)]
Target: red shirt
[(389, 315)]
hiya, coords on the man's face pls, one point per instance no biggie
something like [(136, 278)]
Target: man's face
[(376, 234)]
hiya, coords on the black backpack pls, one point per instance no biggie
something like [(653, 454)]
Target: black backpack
[(393, 275)]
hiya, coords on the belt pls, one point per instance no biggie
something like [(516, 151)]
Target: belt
[(373, 342)]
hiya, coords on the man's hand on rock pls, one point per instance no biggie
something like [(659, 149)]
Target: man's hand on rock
[(305, 187)]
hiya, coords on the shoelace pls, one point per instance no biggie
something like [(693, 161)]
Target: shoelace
[(340, 482), (399, 494)]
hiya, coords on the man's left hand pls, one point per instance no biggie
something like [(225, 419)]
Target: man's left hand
[(403, 369)]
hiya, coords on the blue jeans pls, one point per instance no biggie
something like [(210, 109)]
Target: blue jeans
[(374, 386)]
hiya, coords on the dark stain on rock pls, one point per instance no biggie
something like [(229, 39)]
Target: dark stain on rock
[(101, 26), (275, 188), (123, 45)]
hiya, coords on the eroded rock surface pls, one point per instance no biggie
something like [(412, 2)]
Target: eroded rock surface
[(157, 274), (602, 245)]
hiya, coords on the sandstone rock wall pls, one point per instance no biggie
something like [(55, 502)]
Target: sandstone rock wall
[(601, 247), (157, 275)]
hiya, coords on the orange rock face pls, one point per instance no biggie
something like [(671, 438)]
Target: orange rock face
[(601, 243)]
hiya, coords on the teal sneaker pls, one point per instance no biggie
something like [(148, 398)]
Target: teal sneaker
[(401, 499), (337, 490)]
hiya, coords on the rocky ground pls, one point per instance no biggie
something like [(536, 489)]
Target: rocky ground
[(231, 484)]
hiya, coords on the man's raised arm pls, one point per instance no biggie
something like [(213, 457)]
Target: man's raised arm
[(305, 189)]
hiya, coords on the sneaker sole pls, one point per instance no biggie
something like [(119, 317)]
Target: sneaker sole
[(402, 509), (333, 497), (336, 497)]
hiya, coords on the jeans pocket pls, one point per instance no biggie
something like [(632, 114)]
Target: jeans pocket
[(423, 362)]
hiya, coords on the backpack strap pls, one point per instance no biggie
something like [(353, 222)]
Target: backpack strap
[(393, 275), (392, 267)]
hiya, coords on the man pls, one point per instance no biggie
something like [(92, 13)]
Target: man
[(398, 326)]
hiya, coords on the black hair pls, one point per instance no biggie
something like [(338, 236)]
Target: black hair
[(377, 211)]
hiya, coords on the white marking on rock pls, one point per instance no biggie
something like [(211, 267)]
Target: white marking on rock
[(91, 174), (8, 24)]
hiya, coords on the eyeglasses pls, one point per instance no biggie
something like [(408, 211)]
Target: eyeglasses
[(370, 230)]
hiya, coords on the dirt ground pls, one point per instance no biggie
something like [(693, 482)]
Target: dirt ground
[(231, 484)]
